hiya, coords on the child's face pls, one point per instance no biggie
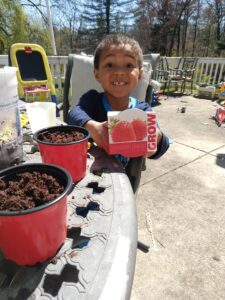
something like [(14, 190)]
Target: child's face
[(118, 71)]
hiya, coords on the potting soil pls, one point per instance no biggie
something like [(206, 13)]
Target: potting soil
[(28, 190), (61, 137)]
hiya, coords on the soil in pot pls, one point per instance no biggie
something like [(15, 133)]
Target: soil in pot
[(28, 190), (60, 137), (64, 146), (34, 225)]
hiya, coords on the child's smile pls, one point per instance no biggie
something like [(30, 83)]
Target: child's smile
[(118, 73), (117, 83)]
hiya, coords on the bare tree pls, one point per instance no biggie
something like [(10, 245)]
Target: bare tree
[(34, 4), (195, 26), (101, 18), (170, 27), (67, 22), (216, 12)]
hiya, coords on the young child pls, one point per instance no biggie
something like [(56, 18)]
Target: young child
[(118, 68)]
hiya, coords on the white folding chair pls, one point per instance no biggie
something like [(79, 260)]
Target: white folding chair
[(80, 77)]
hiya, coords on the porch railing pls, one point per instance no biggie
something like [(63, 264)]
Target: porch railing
[(58, 69), (209, 70)]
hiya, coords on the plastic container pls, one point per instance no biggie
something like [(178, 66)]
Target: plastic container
[(41, 115), (206, 91), (34, 235), (11, 147), (71, 156)]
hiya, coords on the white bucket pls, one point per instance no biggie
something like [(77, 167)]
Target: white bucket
[(41, 115), (11, 148)]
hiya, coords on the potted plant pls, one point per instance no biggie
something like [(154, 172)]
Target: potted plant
[(33, 208), (65, 146)]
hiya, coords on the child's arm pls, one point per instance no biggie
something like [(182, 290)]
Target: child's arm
[(99, 133), (90, 113), (162, 139)]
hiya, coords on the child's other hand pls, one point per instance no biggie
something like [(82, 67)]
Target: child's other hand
[(99, 133), (158, 139)]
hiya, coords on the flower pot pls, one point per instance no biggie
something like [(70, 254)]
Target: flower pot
[(70, 155), (34, 235)]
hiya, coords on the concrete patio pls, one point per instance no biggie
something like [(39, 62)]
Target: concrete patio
[(181, 210)]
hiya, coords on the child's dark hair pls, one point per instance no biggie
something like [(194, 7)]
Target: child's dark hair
[(117, 39)]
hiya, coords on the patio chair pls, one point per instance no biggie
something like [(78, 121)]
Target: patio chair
[(188, 70), (162, 73), (176, 76), (33, 71), (79, 75), (169, 76)]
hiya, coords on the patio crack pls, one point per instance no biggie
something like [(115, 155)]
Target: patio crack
[(172, 170), (185, 164), (206, 152)]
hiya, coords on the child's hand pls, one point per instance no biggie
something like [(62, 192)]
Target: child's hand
[(158, 139), (99, 133)]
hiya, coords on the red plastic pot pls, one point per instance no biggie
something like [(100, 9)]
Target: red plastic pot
[(71, 156), (34, 235)]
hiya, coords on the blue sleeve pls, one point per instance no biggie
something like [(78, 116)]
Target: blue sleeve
[(86, 109), (162, 147), (164, 144)]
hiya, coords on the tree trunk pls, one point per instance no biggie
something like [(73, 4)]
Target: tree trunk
[(107, 12), (196, 28)]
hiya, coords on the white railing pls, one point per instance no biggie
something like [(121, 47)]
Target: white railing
[(209, 70), (54, 62), (58, 69), (3, 60)]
